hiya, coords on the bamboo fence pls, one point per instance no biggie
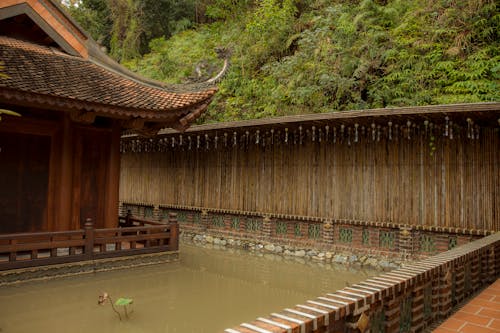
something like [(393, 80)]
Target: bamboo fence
[(400, 180)]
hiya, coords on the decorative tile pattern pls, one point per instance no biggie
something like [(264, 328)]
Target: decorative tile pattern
[(365, 237), (196, 217), (314, 231), (296, 230), (387, 239), (467, 277), (427, 243), (405, 317), (126, 208), (148, 211), (452, 242), (428, 301), (377, 323), (218, 221), (254, 225), (281, 228), (453, 288), (235, 223), (345, 235), (181, 216)]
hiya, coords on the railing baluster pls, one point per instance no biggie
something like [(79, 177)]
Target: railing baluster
[(13, 252), (89, 238), (118, 244), (148, 241), (53, 250)]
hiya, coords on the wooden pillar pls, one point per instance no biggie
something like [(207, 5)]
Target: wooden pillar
[(89, 238), (64, 214), (113, 179), (174, 232)]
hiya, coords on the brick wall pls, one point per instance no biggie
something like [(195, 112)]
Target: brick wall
[(330, 234), (408, 299)]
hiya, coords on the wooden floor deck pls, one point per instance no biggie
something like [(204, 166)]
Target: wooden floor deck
[(480, 315)]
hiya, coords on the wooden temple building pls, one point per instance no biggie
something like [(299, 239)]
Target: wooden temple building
[(63, 106)]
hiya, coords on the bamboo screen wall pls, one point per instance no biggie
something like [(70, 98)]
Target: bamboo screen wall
[(419, 180)]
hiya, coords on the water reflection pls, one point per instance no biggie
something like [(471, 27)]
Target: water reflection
[(207, 291)]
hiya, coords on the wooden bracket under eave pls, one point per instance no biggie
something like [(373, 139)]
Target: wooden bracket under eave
[(180, 126), (83, 117), (133, 124), (183, 123), (148, 131)]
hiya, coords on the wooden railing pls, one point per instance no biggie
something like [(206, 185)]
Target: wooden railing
[(22, 250), (132, 221)]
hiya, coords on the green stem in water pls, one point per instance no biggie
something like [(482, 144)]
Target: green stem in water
[(113, 307)]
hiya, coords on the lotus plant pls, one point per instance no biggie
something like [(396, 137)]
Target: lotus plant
[(122, 302)]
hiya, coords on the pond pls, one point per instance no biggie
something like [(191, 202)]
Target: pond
[(207, 291)]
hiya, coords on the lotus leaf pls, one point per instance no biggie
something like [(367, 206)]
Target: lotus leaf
[(124, 301)]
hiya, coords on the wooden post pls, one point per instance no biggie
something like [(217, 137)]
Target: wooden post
[(128, 219), (174, 232), (89, 238), (13, 253), (53, 251)]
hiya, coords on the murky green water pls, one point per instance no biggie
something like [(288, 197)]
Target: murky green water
[(207, 291)]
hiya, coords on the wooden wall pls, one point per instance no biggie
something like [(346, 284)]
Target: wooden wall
[(24, 179), (400, 180), (55, 173)]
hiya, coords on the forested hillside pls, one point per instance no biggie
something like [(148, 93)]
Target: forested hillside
[(308, 56)]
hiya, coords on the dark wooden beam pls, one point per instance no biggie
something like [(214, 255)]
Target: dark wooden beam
[(83, 117)]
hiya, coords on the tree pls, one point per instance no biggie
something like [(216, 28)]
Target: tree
[(125, 27)]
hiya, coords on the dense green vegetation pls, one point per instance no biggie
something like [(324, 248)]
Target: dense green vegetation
[(304, 56)]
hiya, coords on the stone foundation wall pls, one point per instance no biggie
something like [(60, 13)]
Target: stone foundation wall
[(297, 253), (84, 267)]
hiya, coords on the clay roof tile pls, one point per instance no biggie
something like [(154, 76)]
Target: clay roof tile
[(37, 69)]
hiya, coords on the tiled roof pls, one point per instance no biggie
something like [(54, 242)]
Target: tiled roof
[(49, 76)]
